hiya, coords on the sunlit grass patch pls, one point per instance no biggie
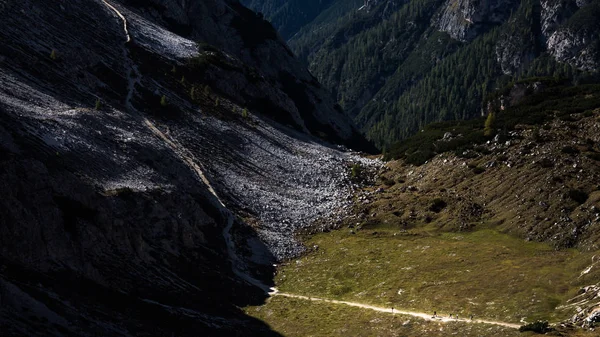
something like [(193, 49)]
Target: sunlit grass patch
[(484, 273)]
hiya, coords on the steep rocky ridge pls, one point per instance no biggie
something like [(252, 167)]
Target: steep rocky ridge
[(464, 20), (116, 155), (576, 42)]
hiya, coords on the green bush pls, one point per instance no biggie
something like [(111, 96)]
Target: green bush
[(568, 118), (98, 105), (388, 182), (163, 101), (478, 170), (193, 93), (489, 124), (593, 155), (570, 150), (356, 172), (578, 195), (437, 205), (546, 163), (540, 327)]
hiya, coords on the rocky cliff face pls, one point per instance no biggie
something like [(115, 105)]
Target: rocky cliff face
[(575, 41), (465, 19), (138, 141), (570, 35), (555, 13)]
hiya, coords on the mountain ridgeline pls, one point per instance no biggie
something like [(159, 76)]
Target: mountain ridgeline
[(398, 65)]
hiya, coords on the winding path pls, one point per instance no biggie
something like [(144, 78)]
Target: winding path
[(114, 9), (425, 316), (133, 78)]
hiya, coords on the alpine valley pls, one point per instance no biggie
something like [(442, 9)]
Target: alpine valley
[(299, 168)]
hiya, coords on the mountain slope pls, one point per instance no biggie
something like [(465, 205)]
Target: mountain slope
[(399, 65), (289, 16), (140, 168), (498, 221)]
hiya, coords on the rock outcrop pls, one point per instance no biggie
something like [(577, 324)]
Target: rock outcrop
[(572, 32), (466, 19)]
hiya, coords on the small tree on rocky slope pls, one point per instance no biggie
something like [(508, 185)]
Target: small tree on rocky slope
[(489, 124)]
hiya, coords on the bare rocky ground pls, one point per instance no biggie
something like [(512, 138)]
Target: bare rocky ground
[(106, 226), (284, 181)]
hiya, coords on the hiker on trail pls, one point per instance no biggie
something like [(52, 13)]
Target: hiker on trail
[(392, 310), (434, 314), (456, 316), (450, 316), (471, 316)]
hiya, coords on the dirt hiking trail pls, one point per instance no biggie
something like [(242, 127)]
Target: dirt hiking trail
[(425, 316)]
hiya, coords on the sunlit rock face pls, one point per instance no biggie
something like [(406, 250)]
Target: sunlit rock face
[(466, 19)]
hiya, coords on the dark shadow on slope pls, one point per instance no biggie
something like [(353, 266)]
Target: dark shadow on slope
[(107, 252), (50, 303)]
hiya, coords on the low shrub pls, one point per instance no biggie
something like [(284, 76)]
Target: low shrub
[(478, 170), (570, 150), (540, 327), (546, 163), (387, 181), (593, 155), (437, 205), (356, 172), (578, 195)]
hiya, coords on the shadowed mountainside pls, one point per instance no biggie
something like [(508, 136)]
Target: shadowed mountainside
[(115, 156)]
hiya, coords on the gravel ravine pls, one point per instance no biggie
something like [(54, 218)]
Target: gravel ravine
[(285, 179)]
